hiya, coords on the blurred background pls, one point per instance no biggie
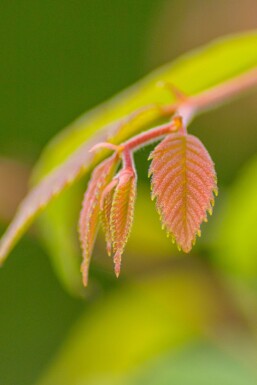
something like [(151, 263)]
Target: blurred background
[(170, 318)]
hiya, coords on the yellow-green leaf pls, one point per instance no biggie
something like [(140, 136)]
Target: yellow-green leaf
[(236, 241)]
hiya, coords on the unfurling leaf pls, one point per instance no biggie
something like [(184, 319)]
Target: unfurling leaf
[(89, 217), (106, 206), (183, 181), (122, 213)]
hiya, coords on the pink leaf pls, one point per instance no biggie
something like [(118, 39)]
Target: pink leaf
[(122, 213), (183, 181), (89, 217), (106, 206)]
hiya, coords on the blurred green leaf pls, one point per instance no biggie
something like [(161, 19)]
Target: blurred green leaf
[(60, 235), (198, 365), (134, 324), (236, 231), (192, 73), (148, 237)]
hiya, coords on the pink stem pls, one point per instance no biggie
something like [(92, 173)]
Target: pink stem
[(149, 136), (185, 110), (216, 95), (127, 158), (189, 107)]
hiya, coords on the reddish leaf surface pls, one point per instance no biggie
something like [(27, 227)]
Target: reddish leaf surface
[(183, 181), (122, 213), (106, 206), (89, 217)]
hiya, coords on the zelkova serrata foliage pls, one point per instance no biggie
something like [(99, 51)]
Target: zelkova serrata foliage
[(182, 174), (183, 182)]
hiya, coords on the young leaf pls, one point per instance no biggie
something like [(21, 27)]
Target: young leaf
[(89, 217), (106, 206), (183, 181), (122, 213)]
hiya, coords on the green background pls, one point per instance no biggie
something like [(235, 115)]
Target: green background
[(58, 59)]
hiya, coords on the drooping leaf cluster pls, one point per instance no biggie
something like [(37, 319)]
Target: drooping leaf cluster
[(183, 175)]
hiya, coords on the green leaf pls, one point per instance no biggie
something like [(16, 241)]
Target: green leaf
[(61, 239), (193, 73), (197, 365), (134, 324), (236, 233)]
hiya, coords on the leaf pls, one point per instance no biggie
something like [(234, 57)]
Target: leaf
[(106, 206), (183, 181), (62, 239), (40, 196), (122, 213), (235, 233), (193, 73), (89, 217), (195, 365), (164, 310)]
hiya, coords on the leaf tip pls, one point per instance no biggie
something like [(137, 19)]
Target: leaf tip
[(117, 263), (109, 248), (84, 271)]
